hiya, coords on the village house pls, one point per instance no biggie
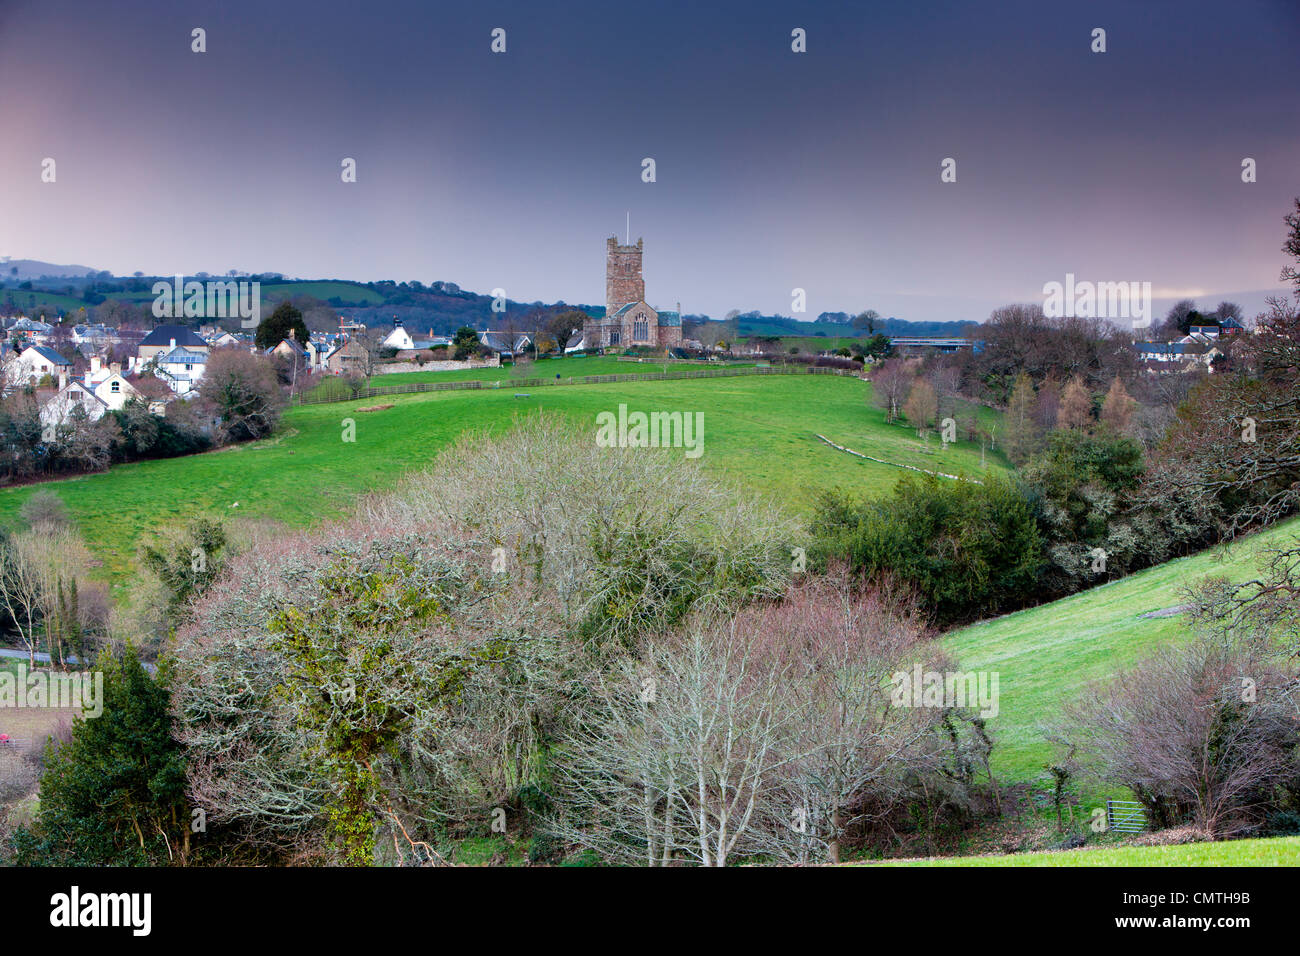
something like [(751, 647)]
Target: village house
[(181, 368), (31, 330), (350, 357), (505, 344), (166, 338), (73, 400), (35, 362)]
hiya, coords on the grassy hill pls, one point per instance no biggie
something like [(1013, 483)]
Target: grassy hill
[(1278, 851), (345, 293), (55, 302), (1045, 654), (758, 432)]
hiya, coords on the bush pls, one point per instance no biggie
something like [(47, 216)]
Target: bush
[(144, 435), (242, 392), (44, 508), (627, 539), (1081, 488), (787, 709), (396, 678), (360, 679), (967, 548)]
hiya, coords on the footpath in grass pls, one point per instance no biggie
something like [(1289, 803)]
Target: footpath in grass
[(1274, 851)]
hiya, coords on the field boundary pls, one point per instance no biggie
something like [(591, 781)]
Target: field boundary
[(412, 387), (858, 454)]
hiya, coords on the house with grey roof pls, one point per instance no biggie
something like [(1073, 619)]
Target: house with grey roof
[(165, 338), (35, 362)]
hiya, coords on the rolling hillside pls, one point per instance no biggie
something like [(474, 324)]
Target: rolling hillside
[(758, 432), (1045, 654)]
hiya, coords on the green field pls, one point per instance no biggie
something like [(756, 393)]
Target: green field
[(758, 432), (55, 301), (574, 366), (1045, 654), (347, 292), (1277, 851)]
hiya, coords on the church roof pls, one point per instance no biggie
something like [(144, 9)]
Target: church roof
[(671, 319)]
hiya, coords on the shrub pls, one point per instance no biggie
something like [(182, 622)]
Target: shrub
[(358, 679), (966, 548), (786, 710), (44, 508), (627, 539)]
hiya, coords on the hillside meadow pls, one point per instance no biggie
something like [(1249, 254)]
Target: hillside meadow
[(759, 432), (1044, 655), (1276, 851)]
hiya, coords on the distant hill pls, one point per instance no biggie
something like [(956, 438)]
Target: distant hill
[(17, 270), (830, 325)]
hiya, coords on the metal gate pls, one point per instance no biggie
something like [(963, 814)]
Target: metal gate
[(1125, 816)]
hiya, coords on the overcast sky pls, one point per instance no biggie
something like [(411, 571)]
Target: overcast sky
[(775, 169)]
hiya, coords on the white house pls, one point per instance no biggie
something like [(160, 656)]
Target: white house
[(72, 400), (166, 338), (226, 340), (402, 340), (115, 391), (181, 369), (399, 338), (35, 362)]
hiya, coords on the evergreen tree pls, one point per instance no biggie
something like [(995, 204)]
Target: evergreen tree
[(114, 795), (279, 325)]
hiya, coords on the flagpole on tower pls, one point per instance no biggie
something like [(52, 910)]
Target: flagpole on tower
[(629, 228)]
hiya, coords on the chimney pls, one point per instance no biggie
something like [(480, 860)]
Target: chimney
[(115, 368), (63, 380), (173, 343), (95, 365)]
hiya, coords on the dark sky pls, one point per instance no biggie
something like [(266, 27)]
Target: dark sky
[(775, 170)]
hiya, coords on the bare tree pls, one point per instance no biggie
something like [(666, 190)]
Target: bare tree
[(1202, 733), (891, 380), (922, 405), (678, 752)]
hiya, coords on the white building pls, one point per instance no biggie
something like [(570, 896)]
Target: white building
[(35, 362), (71, 402), (181, 369)]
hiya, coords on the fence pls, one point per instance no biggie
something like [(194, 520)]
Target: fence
[(1125, 816), (349, 395)]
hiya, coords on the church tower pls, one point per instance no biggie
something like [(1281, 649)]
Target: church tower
[(623, 281)]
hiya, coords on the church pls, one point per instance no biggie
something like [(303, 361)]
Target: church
[(629, 320)]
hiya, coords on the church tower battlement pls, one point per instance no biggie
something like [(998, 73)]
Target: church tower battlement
[(623, 280)]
